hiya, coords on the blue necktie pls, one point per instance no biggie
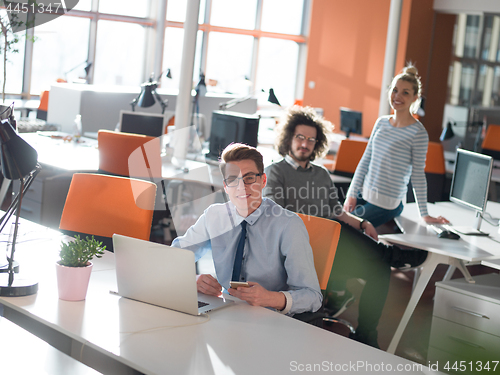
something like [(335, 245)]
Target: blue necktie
[(239, 252)]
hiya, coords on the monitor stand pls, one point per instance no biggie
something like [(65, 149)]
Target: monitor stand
[(471, 231)]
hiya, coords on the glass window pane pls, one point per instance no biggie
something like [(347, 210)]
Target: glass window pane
[(125, 7), (119, 53), (15, 61), (495, 94), (176, 10), (239, 14), (83, 5), (277, 68), (472, 35), (466, 84), (172, 57), (282, 16), (229, 60), (60, 51), (479, 92)]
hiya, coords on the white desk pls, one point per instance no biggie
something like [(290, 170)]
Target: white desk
[(23, 353), (458, 253), (119, 336)]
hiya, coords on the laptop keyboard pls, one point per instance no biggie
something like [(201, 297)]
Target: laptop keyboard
[(202, 304)]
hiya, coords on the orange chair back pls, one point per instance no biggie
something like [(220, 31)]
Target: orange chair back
[(44, 101), (492, 138), (129, 155), (348, 155), (434, 162), (102, 205), (324, 236)]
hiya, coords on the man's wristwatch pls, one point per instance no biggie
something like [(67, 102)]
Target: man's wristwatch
[(361, 224)]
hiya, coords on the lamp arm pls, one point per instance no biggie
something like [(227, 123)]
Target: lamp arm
[(13, 206), (163, 103), (233, 102)]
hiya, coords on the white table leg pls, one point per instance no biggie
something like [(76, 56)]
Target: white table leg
[(430, 265)]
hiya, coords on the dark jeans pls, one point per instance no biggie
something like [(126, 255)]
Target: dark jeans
[(375, 214), (359, 256)]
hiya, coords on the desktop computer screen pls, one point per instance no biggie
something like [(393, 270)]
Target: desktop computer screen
[(151, 124), (350, 121), (471, 181), (228, 127)]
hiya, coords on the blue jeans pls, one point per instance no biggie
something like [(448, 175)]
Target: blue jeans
[(375, 214)]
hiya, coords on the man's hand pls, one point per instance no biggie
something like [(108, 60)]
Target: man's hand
[(370, 230), (435, 220), (207, 284), (350, 204), (256, 295)]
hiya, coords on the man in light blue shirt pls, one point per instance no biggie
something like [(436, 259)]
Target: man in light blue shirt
[(277, 260)]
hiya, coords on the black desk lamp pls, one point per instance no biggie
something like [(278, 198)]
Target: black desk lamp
[(19, 162), (231, 103), (448, 132), (147, 96)]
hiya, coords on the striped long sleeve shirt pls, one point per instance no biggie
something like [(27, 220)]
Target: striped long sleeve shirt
[(392, 156)]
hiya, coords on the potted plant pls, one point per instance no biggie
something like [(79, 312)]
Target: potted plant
[(74, 267)]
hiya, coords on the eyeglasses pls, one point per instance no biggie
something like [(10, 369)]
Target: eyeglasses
[(248, 179), (302, 138)]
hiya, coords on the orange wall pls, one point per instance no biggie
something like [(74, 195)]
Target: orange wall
[(346, 56)]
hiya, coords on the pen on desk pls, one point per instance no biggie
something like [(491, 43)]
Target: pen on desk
[(113, 292)]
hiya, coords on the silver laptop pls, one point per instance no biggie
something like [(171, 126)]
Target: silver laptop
[(160, 275)]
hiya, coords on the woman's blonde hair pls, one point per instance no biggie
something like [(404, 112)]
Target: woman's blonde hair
[(409, 74)]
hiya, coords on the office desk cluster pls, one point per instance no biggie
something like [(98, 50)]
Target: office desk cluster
[(115, 335)]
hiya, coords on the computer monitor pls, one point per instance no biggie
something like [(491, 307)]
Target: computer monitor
[(151, 124), (350, 121), (228, 127), (470, 185)]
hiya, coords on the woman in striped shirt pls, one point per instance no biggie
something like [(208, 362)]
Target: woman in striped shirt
[(395, 152)]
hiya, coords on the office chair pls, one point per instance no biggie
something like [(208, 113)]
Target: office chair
[(41, 112), (324, 236), (435, 173), (348, 156), (102, 205), (129, 155), (491, 142)]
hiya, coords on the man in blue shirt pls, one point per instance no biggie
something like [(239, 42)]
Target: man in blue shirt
[(277, 260)]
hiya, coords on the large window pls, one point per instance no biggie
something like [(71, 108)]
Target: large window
[(475, 69), (243, 46)]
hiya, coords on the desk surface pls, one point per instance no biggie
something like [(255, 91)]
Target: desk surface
[(238, 339), (457, 253), (467, 248)]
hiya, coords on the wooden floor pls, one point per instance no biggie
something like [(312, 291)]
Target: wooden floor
[(415, 340)]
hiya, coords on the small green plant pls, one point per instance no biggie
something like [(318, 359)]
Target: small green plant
[(79, 252)]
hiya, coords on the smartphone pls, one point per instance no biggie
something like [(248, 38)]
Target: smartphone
[(236, 284)]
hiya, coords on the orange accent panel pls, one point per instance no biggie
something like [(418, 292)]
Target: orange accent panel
[(44, 101), (324, 236), (349, 154), (103, 205), (492, 138), (127, 154), (434, 161)]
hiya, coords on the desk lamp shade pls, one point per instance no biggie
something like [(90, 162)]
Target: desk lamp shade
[(447, 132), (146, 98), (18, 157), (272, 98)]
